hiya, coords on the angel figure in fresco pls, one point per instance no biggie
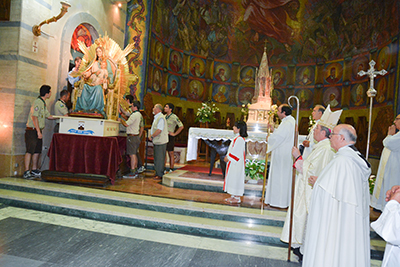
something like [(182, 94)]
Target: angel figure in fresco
[(104, 70)]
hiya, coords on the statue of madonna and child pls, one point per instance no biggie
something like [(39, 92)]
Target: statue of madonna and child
[(104, 77)]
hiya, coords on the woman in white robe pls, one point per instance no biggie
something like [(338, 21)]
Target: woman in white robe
[(235, 168)]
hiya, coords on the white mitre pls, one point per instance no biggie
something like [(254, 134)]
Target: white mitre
[(330, 119)]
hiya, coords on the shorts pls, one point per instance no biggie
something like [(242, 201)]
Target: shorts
[(32, 142), (132, 144), (171, 143)]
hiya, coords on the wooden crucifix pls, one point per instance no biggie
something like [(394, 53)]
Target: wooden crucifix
[(371, 93)]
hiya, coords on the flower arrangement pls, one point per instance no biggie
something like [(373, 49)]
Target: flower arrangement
[(206, 113), (255, 169)]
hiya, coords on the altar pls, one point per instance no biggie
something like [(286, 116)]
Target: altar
[(86, 154), (256, 141)]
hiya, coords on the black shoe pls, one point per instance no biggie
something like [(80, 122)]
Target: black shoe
[(28, 175), (296, 251), (36, 173)]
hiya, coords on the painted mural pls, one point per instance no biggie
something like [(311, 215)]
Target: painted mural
[(209, 50), (137, 23)]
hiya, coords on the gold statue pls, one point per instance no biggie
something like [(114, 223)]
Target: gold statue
[(105, 77)]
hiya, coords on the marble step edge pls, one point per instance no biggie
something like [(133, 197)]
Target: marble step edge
[(191, 228), (377, 247), (125, 199), (176, 176), (376, 241), (11, 195)]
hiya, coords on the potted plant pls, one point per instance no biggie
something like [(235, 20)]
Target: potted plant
[(255, 169)]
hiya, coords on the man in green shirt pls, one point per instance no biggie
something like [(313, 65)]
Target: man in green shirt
[(172, 121), (33, 133)]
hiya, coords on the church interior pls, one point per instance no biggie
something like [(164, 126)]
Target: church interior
[(190, 53)]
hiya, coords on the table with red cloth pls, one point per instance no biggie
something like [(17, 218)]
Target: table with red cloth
[(86, 154)]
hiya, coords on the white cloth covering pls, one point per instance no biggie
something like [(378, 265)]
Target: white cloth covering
[(280, 145), (337, 231), (388, 227), (216, 134), (312, 166), (388, 171), (235, 175)]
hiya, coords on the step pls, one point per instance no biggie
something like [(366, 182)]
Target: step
[(185, 217), (137, 210)]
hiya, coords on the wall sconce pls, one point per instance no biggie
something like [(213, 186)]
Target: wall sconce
[(64, 9)]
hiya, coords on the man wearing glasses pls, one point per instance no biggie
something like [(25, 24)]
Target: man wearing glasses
[(338, 222)]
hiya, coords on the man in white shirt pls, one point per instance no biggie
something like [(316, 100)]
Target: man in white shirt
[(159, 137)]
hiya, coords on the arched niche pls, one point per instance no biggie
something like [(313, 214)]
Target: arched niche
[(65, 48)]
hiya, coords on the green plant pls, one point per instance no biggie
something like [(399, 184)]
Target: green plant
[(206, 113), (255, 169)]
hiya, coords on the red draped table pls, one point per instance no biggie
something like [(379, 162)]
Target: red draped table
[(86, 154)]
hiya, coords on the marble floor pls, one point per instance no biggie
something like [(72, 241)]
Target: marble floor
[(152, 225), (35, 238)]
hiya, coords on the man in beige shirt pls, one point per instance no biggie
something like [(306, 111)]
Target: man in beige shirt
[(33, 133)]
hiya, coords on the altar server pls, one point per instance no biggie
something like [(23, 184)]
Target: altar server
[(236, 161), (337, 231), (280, 145), (388, 227), (389, 166), (320, 156)]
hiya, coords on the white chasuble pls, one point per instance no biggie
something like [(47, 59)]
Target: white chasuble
[(235, 176), (388, 227), (321, 155), (337, 231), (280, 145), (388, 171)]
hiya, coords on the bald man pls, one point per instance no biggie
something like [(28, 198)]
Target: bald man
[(159, 137), (337, 231)]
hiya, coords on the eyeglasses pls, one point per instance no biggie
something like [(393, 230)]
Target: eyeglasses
[(330, 136)]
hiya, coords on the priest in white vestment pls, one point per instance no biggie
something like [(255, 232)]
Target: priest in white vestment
[(236, 162), (321, 155), (337, 231), (388, 227), (389, 166), (280, 145), (308, 144)]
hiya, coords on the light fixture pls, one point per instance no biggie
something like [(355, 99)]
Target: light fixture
[(64, 9)]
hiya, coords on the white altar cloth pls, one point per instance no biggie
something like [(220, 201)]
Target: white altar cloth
[(216, 134), (196, 133)]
